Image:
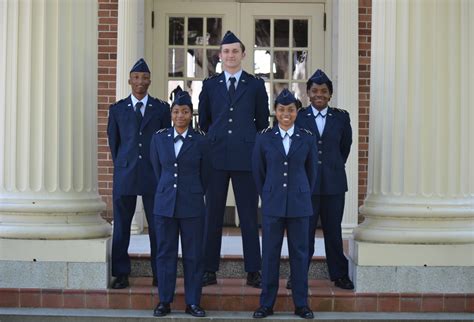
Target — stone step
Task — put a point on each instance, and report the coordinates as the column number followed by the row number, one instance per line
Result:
column 234, row 295
column 231, row 264
column 230, row 267
column 96, row 315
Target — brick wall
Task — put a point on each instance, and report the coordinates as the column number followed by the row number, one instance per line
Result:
column 108, row 10
column 365, row 15
column 107, row 58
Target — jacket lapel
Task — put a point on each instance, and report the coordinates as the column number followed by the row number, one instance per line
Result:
column 149, row 112
column 277, row 140
column 311, row 121
column 295, row 142
column 241, row 87
column 222, row 87
column 186, row 143
column 329, row 122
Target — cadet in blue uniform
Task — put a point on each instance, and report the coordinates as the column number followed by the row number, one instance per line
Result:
column 333, row 135
column 284, row 168
column 233, row 106
column 132, row 122
column 177, row 155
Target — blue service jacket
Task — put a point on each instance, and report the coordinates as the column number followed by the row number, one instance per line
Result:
column 333, row 145
column 231, row 126
column 284, row 182
column 181, row 180
column 130, row 145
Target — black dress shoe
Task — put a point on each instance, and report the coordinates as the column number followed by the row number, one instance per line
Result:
column 304, row 312
column 162, row 309
column 154, row 282
column 262, row 312
column 195, row 310
column 254, row 279
column 288, row 284
column 344, row 283
column 120, row 282
column 209, row 278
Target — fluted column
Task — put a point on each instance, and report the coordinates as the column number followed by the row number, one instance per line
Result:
column 48, row 130
column 130, row 47
column 419, row 210
column 346, row 81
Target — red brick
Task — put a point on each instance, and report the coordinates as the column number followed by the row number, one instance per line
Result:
column 142, row 301
column 30, row 297
column 410, row 304
column 388, row 303
column 366, row 303
column 9, row 297
column 231, row 302
column 97, row 300
column 470, row 303
column 344, row 304
column 75, row 299
column 432, row 303
column 119, row 299
column 52, row 298
column 322, row 304
column 455, row 303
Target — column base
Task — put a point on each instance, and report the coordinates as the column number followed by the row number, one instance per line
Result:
column 412, row 268
column 63, row 264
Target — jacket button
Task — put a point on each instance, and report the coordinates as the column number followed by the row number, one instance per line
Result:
column 320, row 142
column 230, row 120
column 175, row 164
column 175, row 175
column 175, row 185
column 320, row 152
column 285, row 163
column 285, row 174
column 284, row 185
column 230, row 131
column 231, row 109
column 320, row 162
column 140, row 133
column 139, row 156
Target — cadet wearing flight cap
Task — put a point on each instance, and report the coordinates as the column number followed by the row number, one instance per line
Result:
column 284, row 167
column 132, row 122
column 333, row 135
column 178, row 158
column 233, row 106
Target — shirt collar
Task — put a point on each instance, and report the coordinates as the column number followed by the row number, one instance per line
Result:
column 323, row 112
column 136, row 100
column 183, row 135
column 236, row 75
column 290, row 131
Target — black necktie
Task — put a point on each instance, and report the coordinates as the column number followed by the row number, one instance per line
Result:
column 232, row 87
column 178, row 137
column 319, row 114
column 138, row 112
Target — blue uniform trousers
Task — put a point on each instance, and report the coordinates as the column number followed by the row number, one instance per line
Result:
column 168, row 230
column 331, row 209
column 246, row 198
column 124, row 208
column 273, row 230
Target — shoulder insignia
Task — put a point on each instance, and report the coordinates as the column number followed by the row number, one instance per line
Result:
column 200, row 131
column 340, row 110
column 307, row 131
column 211, row 77
column 118, row 102
column 265, row 130
column 161, row 130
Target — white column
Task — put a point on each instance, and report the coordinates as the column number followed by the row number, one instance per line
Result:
column 346, row 80
column 418, row 233
column 130, row 47
column 48, row 144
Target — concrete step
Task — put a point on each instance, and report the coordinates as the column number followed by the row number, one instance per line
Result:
column 95, row 315
column 231, row 265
